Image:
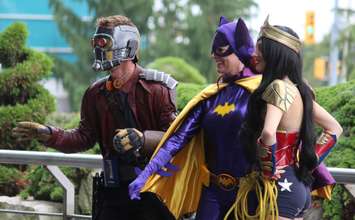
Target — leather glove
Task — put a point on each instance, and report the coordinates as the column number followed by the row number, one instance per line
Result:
column 128, row 139
column 26, row 130
column 160, row 160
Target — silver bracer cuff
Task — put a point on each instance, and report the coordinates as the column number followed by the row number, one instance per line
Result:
column 155, row 75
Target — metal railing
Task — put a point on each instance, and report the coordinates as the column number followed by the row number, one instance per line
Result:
column 51, row 160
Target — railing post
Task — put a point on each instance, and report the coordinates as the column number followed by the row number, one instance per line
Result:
column 69, row 195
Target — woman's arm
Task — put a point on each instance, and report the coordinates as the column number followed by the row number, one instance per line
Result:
column 326, row 120
column 188, row 128
column 331, row 131
column 272, row 121
column 267, row 142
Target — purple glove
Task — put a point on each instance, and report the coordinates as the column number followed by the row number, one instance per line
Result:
column 160, row 160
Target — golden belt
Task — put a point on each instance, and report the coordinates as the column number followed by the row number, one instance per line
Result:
column 225, row 181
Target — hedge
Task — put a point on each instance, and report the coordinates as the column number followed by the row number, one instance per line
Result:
column 21, row 97
column 179, row 69
column 340, row 102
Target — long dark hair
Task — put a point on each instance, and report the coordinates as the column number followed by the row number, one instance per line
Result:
column 281, row 61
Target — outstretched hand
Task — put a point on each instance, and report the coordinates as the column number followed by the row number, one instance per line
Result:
column 135, row 187
column 159, row 162
column 26, row 130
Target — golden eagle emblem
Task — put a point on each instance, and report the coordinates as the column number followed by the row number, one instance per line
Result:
column 222, row 110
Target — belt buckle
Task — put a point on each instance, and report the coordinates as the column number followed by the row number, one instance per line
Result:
column 226, row 182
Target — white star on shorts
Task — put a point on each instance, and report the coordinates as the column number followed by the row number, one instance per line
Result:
column 285, row 185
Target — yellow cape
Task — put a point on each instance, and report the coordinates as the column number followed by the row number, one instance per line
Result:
column 181, row 192
column 323, row 192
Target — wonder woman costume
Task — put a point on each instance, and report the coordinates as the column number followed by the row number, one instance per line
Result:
column 286, row 196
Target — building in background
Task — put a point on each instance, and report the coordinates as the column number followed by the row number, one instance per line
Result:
column 43, row 34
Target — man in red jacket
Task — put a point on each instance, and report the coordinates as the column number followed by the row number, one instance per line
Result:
column 125, row 112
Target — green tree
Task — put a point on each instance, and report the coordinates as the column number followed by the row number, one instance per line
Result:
column 347, row 39
column 186, row 30
column 310, row 53
column 202, row 25
column 22, row 98
column 166, row 24
column 346, row 45
column 77, row 76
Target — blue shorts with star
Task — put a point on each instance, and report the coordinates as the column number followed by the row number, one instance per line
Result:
column 294, row 197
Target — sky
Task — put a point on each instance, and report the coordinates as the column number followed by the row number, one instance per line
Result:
column 292, row 13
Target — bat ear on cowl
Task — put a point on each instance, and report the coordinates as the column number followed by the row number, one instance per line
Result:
column 241, row 35
column 222, row 20
column 243, row 41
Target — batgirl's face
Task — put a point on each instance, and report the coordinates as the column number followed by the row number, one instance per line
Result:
column 228, row 66
column 258, row 60
column 227, row 62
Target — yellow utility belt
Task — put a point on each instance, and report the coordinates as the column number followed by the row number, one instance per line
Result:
column 224, row 181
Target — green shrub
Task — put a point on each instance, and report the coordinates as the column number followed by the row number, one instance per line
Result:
column 185, row 92
column 340, row 102
column 43, row 185
column 179, row 69
column 36, row 109
column 341, row 207
column 22, row 98
column 9, row 178
column 12, row 44
column 63, row 120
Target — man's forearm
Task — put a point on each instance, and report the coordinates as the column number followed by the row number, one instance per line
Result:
column 70, row 141
column 151, row 141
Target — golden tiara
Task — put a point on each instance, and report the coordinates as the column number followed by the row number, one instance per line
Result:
column 280, row 36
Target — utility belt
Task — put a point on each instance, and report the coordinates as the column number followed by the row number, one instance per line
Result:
column 115, row 171
column 102, row 193
column 224, row 181
column 111, row 183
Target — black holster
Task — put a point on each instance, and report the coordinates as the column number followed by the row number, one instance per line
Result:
column 97, row 194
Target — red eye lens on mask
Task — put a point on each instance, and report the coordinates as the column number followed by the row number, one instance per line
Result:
column 101, row 42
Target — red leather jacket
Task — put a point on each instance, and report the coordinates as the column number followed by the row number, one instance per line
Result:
column 150, row 102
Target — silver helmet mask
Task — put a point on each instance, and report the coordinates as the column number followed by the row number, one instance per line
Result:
column 111, row 46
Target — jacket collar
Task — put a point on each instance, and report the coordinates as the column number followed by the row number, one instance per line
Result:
column 133, row 80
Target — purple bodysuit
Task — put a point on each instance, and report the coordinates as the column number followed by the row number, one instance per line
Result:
column 220, row 117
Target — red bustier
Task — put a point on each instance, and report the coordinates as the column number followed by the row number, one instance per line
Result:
column 286, row 149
